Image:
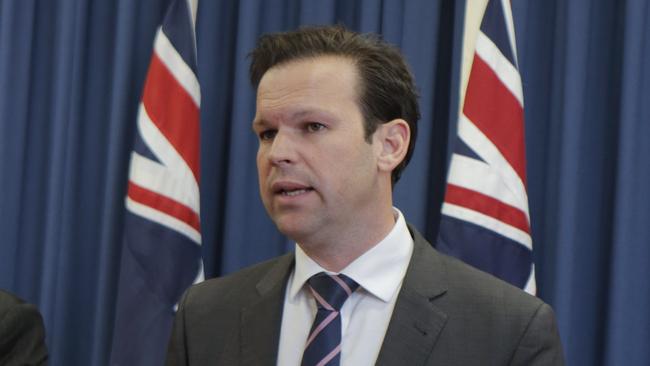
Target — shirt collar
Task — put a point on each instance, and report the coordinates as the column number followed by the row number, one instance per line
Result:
column 379, row 271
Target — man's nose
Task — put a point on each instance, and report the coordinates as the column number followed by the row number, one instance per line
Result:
column 282, row 149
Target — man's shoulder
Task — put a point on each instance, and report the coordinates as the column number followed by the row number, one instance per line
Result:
column 468, row 283
column 463, row 282
column 482, row 313
column 237, row 285
column 477, row 300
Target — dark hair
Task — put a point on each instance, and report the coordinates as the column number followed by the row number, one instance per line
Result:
column 387, row 90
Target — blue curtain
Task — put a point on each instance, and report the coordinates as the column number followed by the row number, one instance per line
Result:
column 70, row 79
column 587, row 93
column 71, row 73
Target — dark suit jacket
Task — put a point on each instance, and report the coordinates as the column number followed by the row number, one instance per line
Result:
column 446, row 313
column 22, row 335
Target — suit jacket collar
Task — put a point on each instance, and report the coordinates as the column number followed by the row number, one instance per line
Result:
column 416, row 322
column 261, row 319
column 413, row 329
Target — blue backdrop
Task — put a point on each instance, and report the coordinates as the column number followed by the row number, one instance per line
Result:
column 71, row 73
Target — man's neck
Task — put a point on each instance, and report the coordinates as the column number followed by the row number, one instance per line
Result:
column 336, row 253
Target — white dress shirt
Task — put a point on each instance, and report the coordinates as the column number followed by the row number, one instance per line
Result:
column 366, row 313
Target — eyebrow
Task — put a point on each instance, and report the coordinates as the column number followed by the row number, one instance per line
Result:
column 258, row 123
column 303, row 112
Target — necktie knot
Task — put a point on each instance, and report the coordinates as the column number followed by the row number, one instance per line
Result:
column 331, row 291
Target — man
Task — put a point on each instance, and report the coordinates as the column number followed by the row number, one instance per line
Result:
column 22, row 334
column 336, row 120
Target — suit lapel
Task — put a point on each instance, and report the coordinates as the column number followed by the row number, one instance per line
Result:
column 416, row 322
column 261, row 319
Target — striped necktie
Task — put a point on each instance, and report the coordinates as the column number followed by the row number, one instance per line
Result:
column 324, row 342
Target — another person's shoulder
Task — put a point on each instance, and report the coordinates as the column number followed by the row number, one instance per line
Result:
column 22, row 334
column 8, row 300
column 15, row 310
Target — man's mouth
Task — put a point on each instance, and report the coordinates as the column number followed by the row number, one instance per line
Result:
column 295, row 192
column 290, row 188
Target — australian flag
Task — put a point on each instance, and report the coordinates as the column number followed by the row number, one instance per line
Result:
column 161, row 255
column 485, row 220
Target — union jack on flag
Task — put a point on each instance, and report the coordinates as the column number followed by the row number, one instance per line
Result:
column 485, row 220
column 161, row 255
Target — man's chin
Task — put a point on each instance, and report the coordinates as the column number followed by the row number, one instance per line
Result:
column 294, row 228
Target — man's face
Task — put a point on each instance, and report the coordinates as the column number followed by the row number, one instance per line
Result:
column 318, row 176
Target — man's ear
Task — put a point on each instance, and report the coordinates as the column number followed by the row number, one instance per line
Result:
column 392, row 139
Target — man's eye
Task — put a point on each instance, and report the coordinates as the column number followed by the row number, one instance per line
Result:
column 315, row 126
column 267, row 134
